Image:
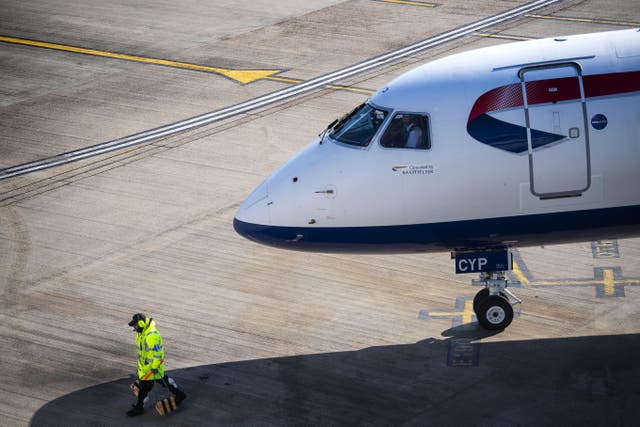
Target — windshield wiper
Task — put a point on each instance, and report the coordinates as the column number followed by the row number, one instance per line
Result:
column 338, row 122
column 324, row 132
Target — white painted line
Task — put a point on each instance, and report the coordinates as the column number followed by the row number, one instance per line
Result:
column 265, row 100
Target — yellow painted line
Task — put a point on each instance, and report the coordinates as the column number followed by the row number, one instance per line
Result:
column 336, row 87
column 283, row 80
column 351, row 89
column 242, row 76
column 444, row 313
column 503, row 36
column 410, row 3
column 467, row 314
column 568, row 282
column 609, row 282
column 606, row 281
column 441, row 313
column 587, row 20
column 518, row 273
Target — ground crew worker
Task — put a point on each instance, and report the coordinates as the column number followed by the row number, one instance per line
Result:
column 150, row 362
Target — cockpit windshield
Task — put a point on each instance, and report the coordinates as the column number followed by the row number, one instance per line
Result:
column 359, row 126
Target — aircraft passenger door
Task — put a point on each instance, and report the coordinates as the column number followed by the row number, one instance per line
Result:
column 557, row 131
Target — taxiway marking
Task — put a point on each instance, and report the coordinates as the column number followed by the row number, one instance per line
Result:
column 518, row 273
column 241, row 76
column 336, row 87
column 608, row 281
column 605, row 249
column 271, row 98
column 351, row 89
column 410, row 3
column 503, row 36
column 462, row 351
column 586, row 20
column 463, row 316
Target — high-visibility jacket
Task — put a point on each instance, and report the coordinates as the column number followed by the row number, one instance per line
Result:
column 150, row 352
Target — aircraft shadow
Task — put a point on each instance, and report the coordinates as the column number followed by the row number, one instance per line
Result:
column 570, row 381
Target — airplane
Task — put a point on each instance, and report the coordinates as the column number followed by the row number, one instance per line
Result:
column 521, row 144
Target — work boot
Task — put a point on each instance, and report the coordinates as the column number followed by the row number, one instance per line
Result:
column 180, row 396
column 137, row 410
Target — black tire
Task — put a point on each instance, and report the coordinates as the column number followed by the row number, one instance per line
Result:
column 482, row 295
column 495, row 313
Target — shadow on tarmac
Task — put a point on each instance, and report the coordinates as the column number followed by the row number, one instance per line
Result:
column 569, row 381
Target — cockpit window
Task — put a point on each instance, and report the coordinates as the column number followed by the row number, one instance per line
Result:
column 359, row 126
column 407, row 130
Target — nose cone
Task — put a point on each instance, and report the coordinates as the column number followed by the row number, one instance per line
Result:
column 255, row 209
column 264, row 217
column 253, row 214
column 279, row 212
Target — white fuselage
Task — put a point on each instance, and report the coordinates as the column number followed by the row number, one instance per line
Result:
column 523, row 133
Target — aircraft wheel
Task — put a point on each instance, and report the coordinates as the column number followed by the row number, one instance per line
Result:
column 482, row 295
column 495, row 313
column 479, row 298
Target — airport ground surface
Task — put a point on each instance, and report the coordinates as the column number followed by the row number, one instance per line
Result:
column 258, row 336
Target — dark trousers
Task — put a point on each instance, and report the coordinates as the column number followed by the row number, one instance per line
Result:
column 146, row 386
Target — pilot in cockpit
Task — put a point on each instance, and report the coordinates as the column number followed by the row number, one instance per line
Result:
column 411, row 131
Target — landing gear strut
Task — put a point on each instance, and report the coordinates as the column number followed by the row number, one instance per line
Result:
column 492, row 305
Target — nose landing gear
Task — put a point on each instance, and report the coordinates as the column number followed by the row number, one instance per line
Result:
column 493, row 304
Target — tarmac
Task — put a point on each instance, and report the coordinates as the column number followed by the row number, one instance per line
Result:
column 258, row 336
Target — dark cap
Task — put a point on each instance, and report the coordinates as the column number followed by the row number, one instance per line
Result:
column 136, row 318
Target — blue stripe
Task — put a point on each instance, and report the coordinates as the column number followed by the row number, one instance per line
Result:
column 528, row 230
column 507, row 136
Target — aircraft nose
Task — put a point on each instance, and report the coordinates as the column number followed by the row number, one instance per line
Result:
column 255, row 209
column 253, row 213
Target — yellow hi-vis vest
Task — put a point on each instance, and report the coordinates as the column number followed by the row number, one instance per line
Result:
column 150, row 352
